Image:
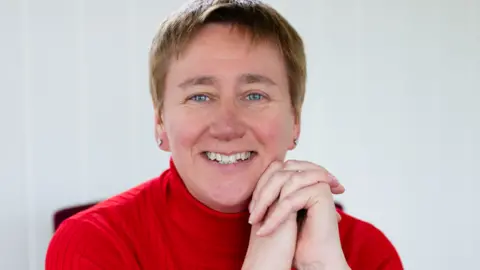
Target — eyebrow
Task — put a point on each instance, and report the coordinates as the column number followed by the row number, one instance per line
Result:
column 247, row 78
column 200, row 80
column 255, row 78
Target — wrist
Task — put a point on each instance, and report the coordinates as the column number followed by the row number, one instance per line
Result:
column 329, row 257
column 338, row 264
column 322, row 266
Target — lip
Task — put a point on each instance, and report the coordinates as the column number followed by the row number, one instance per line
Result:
column 228, row 153
column 230, row 168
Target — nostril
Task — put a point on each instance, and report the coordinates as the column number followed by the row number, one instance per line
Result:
column 227, row 131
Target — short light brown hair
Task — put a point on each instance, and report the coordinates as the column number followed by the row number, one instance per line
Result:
column 260, row 20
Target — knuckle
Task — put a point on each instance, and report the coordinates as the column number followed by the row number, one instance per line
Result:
column 322, row 185
column 288, row 188
column 323, row 191
column 289, row 163
column 274, row 185
column 321, row 176
column 295, row 178
column 288, row 204
column 288, row 185
column 292, row 178
column 279, row 176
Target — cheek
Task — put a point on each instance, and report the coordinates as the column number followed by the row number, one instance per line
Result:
column 276, row 131
column 183, row 128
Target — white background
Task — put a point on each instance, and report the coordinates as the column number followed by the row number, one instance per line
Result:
column 392, row 109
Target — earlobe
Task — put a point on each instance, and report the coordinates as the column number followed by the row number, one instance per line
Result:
column 161, row 137
column 293, row 145
column 162, row 140
column 296, row 134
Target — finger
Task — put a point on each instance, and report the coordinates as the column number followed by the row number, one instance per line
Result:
column 293, row 164
column 301, row 179
column 338, row 190
column 267, row 174
column 305, row 165
column 303, row 198
column 299, row 165
column 282, row 183
column 268, row 194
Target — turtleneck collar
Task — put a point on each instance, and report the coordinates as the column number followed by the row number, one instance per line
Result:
column 213, row 234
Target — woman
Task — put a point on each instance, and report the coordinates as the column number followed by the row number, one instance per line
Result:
column 228, row 83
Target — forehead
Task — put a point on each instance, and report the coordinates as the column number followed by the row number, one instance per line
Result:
column 222, row 46
column 227, row 36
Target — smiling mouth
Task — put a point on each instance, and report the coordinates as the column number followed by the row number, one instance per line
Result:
column 230, row 159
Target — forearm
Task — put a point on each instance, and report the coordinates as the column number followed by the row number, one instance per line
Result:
column 322, row 266
column 274, row 251
column 260, row 258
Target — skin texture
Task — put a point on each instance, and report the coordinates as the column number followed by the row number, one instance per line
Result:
column 284, row 189
column 225, row 94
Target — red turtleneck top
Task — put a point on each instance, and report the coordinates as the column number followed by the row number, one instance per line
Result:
column 159, row 225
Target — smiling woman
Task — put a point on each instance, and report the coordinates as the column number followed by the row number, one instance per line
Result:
column 228, row 83
column 226, row 95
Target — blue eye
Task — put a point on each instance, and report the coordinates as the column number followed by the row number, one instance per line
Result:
column 254, row 96
column 199, row 98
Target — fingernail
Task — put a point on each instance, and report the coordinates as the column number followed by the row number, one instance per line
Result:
column 335, row 181
column 251, row 219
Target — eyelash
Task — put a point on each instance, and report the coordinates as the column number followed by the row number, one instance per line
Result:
column 195, row 97
column 256, row 94
column 192, row 98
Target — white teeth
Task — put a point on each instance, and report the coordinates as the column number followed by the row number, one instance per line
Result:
column 211, row 155
column 224, row 159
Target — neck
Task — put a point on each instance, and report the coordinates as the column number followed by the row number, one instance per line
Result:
column 226, row 229
column 227, row 208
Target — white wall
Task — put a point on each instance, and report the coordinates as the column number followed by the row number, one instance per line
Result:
column 392, row 109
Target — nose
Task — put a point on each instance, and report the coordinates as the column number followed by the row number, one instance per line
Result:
column 226, row 124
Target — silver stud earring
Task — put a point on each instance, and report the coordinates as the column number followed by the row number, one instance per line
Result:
column 295, row 141
column 159, row 142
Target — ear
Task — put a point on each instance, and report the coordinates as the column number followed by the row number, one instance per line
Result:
column 295, row 132
column 161, row 135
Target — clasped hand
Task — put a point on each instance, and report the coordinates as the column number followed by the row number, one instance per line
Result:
column 277, row 241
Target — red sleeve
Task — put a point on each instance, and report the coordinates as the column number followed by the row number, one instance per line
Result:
column 391, row 260
column 391, row 263
column 86, row 245
column 376, row 252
